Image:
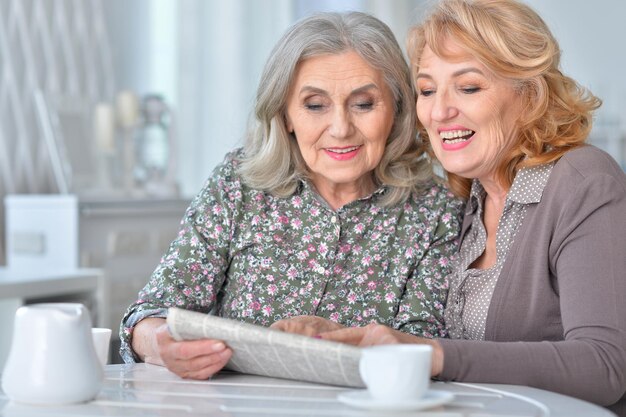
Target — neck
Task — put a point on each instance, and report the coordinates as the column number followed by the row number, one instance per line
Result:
column 495, row 190
column 338, row 195
column 494, row 202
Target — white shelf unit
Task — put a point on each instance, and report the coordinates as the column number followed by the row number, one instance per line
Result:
column 125, row 238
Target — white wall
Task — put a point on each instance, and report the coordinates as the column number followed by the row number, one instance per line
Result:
column 205, row 56
column 206, row 59
column 591, row 36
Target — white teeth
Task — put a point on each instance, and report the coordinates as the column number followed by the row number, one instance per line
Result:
column 455, row 140
column 449, row 135
column 345, row 150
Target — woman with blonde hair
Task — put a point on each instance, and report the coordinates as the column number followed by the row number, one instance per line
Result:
column 537, row 293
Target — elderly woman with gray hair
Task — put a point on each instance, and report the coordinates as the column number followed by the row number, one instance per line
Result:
column 329, row 212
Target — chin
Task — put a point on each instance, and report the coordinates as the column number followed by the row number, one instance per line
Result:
column 460, row 166
column 458, row 171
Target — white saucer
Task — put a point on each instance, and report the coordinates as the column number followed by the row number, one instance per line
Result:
column 362, row 399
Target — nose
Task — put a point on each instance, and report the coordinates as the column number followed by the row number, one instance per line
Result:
column 341, row 124
column 443, row 108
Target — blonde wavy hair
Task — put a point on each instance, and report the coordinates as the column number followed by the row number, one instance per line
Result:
column 513, row 42
column 272, row 160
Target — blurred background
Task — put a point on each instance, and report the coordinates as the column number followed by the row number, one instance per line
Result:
column 113, row 113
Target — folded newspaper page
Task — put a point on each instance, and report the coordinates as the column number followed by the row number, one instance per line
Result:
column 260, row 350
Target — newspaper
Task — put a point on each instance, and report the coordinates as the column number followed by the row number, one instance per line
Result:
column 263, row 351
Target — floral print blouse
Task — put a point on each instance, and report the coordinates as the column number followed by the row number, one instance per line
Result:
column 244, row 254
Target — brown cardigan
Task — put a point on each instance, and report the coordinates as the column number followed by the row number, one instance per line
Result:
column 557, row 319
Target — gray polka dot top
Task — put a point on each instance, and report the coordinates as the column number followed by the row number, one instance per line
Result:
column 471, row 289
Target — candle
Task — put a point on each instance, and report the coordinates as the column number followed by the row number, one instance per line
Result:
column 127, row 107
column 104, row 127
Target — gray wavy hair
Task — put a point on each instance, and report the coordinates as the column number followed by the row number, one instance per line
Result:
column 272, row 159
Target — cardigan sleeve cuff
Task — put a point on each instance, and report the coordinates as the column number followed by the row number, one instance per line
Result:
column 451, row 359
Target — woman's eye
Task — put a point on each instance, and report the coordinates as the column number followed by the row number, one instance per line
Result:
column 470, row 90
column 426, row 92
column 366, row 105
column 314, row 106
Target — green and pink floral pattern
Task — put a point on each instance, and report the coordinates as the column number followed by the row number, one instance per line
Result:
column 247, row 255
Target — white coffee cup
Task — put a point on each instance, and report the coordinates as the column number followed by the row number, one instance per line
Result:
column 395, row 373
column 101, row 338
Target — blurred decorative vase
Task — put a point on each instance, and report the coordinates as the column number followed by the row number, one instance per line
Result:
column 52, row 360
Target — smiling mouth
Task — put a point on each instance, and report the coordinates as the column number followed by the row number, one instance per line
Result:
column 456, row 136
column 343, row 150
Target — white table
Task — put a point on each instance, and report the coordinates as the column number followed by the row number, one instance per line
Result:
column 18, row 287
column 147, row 390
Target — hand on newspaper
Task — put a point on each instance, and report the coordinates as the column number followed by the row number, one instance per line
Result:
column 377, row 334
column 195, row 359
column 306, row 325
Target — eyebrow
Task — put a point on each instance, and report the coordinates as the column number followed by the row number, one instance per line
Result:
column 311, row 89
column 456, row 73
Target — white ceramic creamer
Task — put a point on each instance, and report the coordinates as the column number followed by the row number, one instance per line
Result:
column 52, row 358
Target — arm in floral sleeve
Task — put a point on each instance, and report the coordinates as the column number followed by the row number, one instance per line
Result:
column 422, row 304
column 192, row 272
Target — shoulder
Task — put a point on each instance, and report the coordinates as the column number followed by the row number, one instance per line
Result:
column 585, row 162
column 437, row 205
column 228, row 168
column 225, row 183
column 583, row 180
column 226, row 175
column 435, row 197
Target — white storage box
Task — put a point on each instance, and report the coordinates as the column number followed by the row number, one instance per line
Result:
column 42, row 232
